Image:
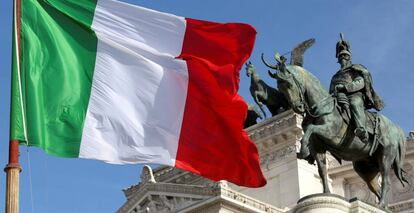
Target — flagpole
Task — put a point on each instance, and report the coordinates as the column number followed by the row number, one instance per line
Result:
column 13, row 170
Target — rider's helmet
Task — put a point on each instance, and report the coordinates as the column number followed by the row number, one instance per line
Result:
column 342, row 47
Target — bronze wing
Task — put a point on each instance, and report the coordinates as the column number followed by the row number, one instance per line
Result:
column 298, row 52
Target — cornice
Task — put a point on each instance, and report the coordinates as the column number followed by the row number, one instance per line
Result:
column 181, row 190
column 286, row 123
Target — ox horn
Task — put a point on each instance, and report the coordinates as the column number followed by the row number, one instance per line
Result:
column 273, row 75
column 275, row 67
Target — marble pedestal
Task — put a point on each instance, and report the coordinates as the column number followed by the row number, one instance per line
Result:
column 332, row 203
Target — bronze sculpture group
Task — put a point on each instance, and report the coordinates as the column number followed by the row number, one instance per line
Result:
column 343, row 120
column 264, row 94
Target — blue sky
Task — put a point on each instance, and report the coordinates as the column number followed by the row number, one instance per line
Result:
column 380, row 34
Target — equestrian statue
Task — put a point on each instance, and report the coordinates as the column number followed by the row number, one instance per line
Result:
column 342, row 121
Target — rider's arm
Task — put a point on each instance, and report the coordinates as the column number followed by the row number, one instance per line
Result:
column 356, row 85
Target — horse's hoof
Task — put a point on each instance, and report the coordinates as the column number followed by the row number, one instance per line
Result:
column 303, row 155
column 383, row 206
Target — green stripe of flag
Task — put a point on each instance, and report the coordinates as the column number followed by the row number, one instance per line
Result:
column 58, row 51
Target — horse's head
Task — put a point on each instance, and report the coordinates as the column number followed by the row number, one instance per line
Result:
column 289, row 82
column 250, row 69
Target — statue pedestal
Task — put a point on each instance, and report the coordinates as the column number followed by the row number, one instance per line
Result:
column 333, row 203
column 288, row 178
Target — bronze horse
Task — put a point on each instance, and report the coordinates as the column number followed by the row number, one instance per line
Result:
column 326, row 130
column 264, row 94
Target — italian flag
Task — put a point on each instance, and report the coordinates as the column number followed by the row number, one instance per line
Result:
column 115, row 82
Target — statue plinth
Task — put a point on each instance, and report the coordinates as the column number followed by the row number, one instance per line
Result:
column 334, row 204
column 288, row 178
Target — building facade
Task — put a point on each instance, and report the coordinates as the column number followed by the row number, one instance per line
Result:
column 167, row 189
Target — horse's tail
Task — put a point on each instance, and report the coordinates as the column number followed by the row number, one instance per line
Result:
column 399, row 160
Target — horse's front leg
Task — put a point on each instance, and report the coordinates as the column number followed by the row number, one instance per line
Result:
column 308, row 144
column 304, row 142
column 258, row 102
column 320, row 157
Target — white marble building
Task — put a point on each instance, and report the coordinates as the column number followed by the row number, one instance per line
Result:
column 168, row 189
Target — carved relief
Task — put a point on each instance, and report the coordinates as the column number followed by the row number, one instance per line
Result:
column 275, row 125
column 163, row 204
column 239, row 197
column 267, row 159
column 402, row 207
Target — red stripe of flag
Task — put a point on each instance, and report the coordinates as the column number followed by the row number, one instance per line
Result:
column 212, row 140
